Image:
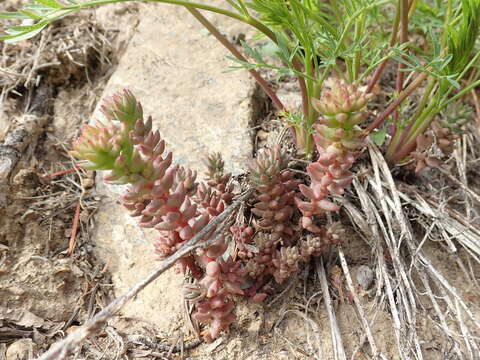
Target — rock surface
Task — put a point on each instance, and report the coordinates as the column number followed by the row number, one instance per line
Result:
column 22, row 349
column 177, row 70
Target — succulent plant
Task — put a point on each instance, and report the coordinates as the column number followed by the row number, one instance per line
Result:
column 422, row 154
column 243, row 237
column 127, row 146
column 286, row 263
column 449, row 127
column 315, row 245
column 222, row 281
column 338, row 139
column 341, row 109
column 216, row 177
column 160, row 194
column 275, row 186
column 168, row 198
column 209, row 200
column 188, row 178
column 443, row 132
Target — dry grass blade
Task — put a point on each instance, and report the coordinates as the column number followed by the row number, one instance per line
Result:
column 383, row 276
column 338, row 349
column 387, row 223
column 392, row 209
column 358, row 305
column 443, row 322
column 447, row 220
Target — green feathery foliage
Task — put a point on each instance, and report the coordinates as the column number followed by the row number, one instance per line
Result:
column 462, row 37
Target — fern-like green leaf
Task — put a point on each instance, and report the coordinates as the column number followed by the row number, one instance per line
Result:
column 50, row 3
column 14, row 36
column 13, row 15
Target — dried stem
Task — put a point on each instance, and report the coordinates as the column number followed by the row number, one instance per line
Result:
column 403, row 39
column 403, row 95
column 379, row 71
column 358, row 304
column 335, row 330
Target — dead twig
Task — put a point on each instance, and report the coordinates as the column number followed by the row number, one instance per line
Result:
column 73, row 236
column 477, row 107
column 61, row 349
column 338, row 349
column 62, row 172
column 358, row 304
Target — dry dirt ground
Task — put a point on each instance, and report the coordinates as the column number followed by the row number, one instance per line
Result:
column 422, row 296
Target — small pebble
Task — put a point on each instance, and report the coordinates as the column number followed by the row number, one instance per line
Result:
column 364, row 276
column 262, row 134
column 20, row 350
column 87, row 183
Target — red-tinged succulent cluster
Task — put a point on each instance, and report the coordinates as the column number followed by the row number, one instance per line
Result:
column 188, row 178
column 315, row 245
column 222, row 281
column 168, row 198
column 422, row 154
column 445, row 136
column 275, row 249
column 209, row 199
column 157, row 194
column 264, row 256
column 216, row 177
column 275, row 188
column 443, row 133
column 338, row 139
column 243, row 236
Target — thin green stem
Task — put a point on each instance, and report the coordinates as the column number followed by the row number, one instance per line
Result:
column 400, row 136
column 244, row 7
column 426, row 119
column 422, row 123
column 185, row 3
column 309, row 70
column 303, row 88
column 400, row 73
column 331, row 29
column 448, row 16
column 188, row 4
column 462, row 74
column 412, row 7
column 359, row 28
column 459, row 95
column 319, row 84
column 410, row 144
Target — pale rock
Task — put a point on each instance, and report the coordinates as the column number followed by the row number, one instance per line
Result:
column 22, row 349
column 3, row 350
column 178, row 73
